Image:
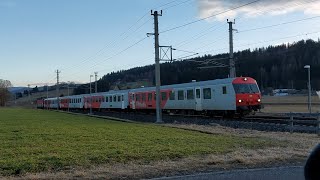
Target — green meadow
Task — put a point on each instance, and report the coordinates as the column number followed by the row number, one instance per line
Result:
column 39, row 140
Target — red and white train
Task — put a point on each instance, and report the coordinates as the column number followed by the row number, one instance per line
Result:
column 229, row 96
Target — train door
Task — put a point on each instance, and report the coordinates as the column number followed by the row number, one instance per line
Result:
column 122, row 101
column 133, row 101
column 198, row 99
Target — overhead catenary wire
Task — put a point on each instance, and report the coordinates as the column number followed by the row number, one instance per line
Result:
column 99, row 52
column 111, row 45
column 260, row 42
column 169, row 3
column 122, row 34
column 260, row 12
column 208, row 17
column 186, row 1
column 120, row 52
column 279, row 24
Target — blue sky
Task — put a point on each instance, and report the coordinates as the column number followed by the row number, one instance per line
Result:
column 80, row 37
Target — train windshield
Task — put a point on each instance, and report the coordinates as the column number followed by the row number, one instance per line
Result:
column 246, row 88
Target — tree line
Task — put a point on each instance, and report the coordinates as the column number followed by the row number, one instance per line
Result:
column 274, row 67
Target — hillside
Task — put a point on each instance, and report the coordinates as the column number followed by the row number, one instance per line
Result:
column 273, row 67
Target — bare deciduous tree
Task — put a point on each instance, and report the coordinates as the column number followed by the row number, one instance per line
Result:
column 4, row 91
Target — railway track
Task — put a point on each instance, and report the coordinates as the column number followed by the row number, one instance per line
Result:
column 261, row 123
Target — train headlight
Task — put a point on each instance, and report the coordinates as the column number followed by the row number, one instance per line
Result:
column 259, row 100
column 240, row 101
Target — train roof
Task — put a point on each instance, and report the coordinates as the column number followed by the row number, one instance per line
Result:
column 199, row 83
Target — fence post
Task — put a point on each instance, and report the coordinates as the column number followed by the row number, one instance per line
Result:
column 291, row 122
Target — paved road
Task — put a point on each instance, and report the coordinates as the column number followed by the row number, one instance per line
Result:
column 279, row 173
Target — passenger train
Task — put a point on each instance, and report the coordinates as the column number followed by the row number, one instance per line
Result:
column 229, row 96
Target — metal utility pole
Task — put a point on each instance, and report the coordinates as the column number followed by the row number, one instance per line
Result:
column 309, row 87
column 47, row 104
column 96, row 83
column 68, row 95
column 58, row 103
column 29, row 93
column 157, row 65
column 232, row 67
column 90, row 96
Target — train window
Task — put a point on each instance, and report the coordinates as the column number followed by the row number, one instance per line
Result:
column 171, row 95
column 143, row 97
column 137, row 97
column 107, row 99
column 224, row 90
column 110, row 98
column 114, row 98
column 149, row 96
column 133, row 97
column 190, row 94
column 122, row 99
column 246, row 88
column 207, row 93
column 119, row 98
column 155, row 96
column 198, row 94
column 180, row 95
column 163, row 95
column 254, row 88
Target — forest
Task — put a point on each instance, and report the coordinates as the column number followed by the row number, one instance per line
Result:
column 273, row 67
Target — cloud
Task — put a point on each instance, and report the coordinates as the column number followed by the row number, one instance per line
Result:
column 263, row 7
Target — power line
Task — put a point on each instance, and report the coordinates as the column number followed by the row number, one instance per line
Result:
column 187, row 42
column 202, row 19
column 122, row 34
column 177, row 4
column 112, row 44
column 120, row 52
column 198, row 36
column 279, row 24
column 260, row 42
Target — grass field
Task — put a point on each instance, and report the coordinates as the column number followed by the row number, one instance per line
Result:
column 289, row 99
column 40, row 141
column 286, row 104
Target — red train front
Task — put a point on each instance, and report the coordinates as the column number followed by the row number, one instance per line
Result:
column 248, row 96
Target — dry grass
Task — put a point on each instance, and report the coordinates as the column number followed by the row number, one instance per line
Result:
column 295, row 148
column 286, row 104
column 289, row 99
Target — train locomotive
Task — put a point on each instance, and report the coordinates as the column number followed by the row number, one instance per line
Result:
column 230, row 96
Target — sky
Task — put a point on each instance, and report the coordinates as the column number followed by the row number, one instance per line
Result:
column 80, row 37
